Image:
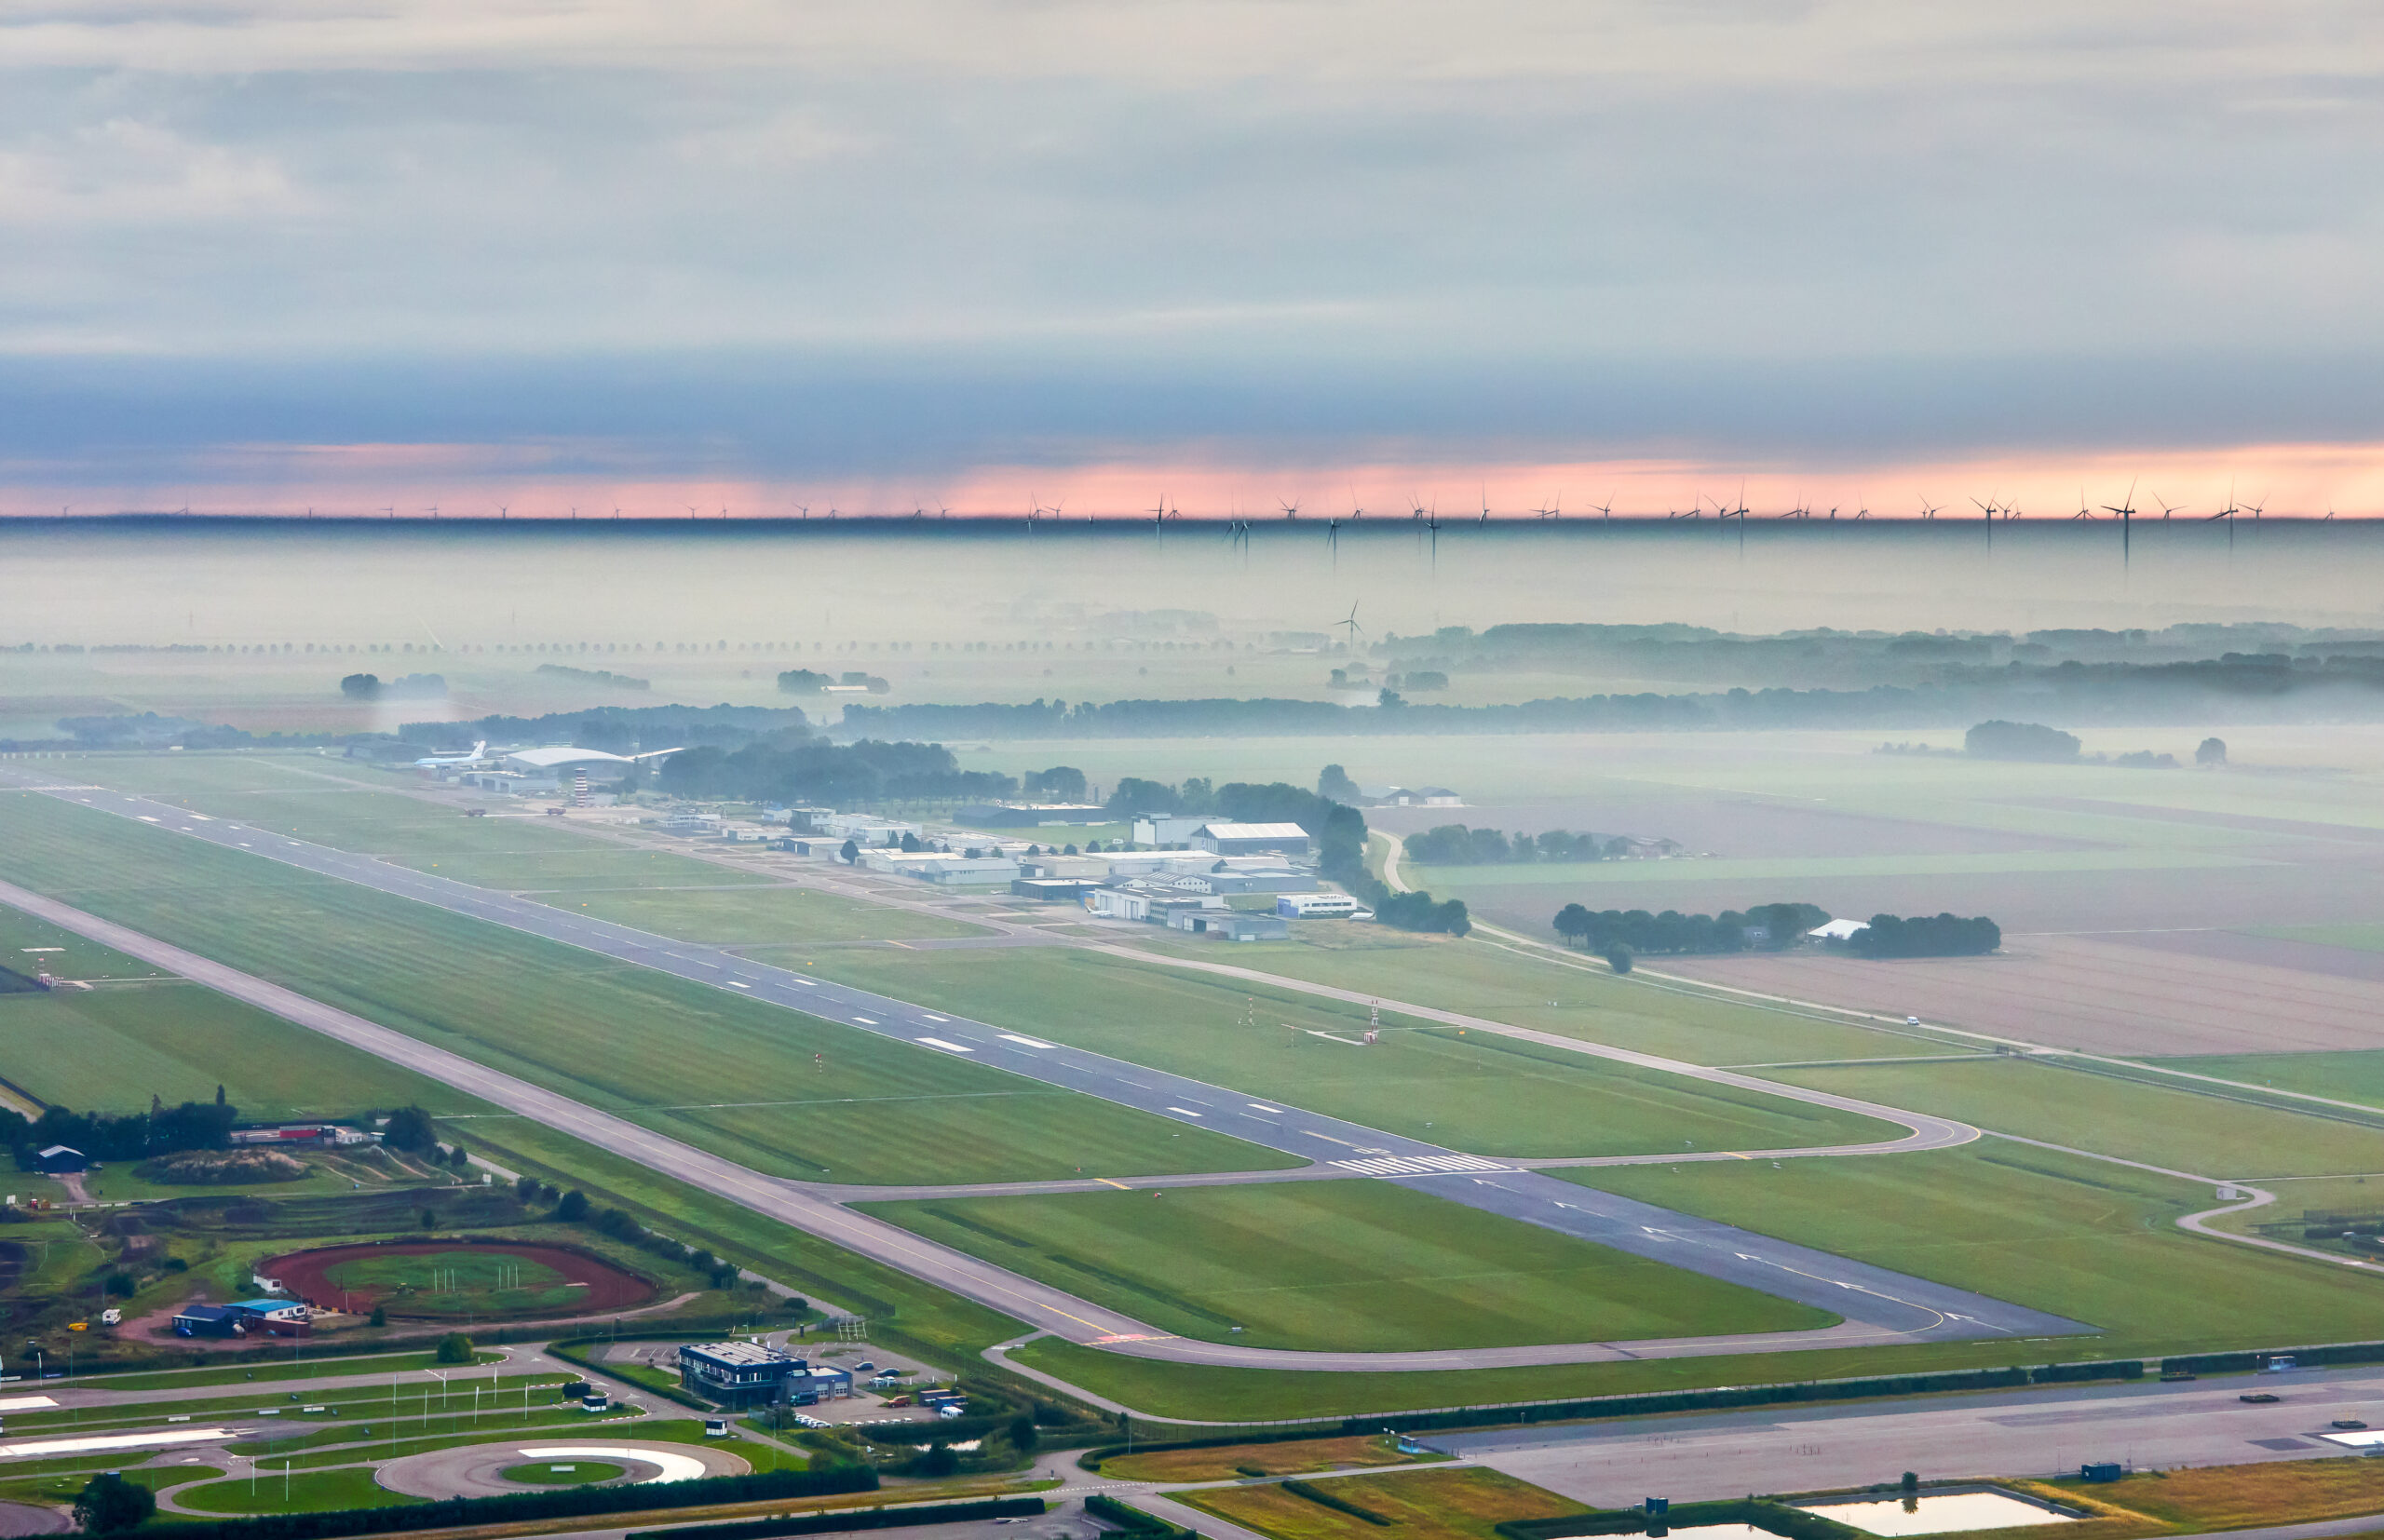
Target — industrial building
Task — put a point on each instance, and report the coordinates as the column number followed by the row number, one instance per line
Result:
column 63, row 1160
column 749, row 1373
column 205, row 1320
column 1166, row 829
column 1251, row 839
column 1234, row 924
column 997, row 815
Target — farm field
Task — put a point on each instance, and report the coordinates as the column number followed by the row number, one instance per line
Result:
column 806, row 1098
column 2195, row 1499
column 758, row 916
column 1424, row 1505
column 180, row 1041
column 1490, row 1095
column 1353, row 1266
column 2166, row 1124
column 1583, row 999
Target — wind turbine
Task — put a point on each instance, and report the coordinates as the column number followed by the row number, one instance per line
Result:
column 433, row 511
column 1333, row 541
column 2228, row 513
column 803, row 511
column 2127, row 513
column 392, row 512
column 2085, row 510
column 1930, row 510
column 2166, row 511
column 1354, row 628
column 503, row 513
column 1606, row 509
column 691, row 509
column 1291, row 510
column 1159, row 513
column 1486, row 505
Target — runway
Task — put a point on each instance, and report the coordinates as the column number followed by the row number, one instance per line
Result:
column 2044, row 1431
column 1876, row 1304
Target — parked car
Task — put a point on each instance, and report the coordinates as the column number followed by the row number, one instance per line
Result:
column 2260, row 1397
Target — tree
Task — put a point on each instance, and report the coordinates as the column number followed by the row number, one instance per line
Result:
column 850, row 853
column 1617, row 957
column 574, row 1207
column 380, row 1317
column 361, row 687
column 526, row 1189
column 1134, row 797
column 939, row 1460
column 910, row 844
column 1334, row 784
column 408, row 1128
column 219, row 1089
column 108, row 1504
column 429, row 1219
column 454, row 1348
column 2213, row 751
column 1059, row 783
column 1572, row 924
column 1022, row 1436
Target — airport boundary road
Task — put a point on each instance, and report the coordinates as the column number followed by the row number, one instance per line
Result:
column 1876, row 1304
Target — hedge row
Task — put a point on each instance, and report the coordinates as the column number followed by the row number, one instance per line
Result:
column 867, row 1519
column 569, row 1503
column 1133, row 1520
column 2245, row 1363
column 1773, row 1517
column 1317, row 1495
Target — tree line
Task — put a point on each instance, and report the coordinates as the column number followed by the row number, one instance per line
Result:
column 129, row 1136
column 1926, row 936
column 1764, row 925
column 817, row 771
column 1455, row 844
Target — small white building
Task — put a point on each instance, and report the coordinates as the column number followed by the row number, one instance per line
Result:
column 1315, row 906
column 1837, row 932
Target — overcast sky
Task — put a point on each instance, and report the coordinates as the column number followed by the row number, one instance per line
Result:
column 257, row 251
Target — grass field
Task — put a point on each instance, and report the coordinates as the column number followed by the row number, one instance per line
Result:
column 269, row 1491
column 1354, row 1266
column 2357, row 938
column 458, row 1282
column 2356, row 1076
column 1484, row 978
column 1422, row 1505
column 2164, row 1124
column 1293, row 1458
column 180, row 1041
column 28, row 946
column 1476, row 1092
column 2191, row 1500
column 1773, row 871
column 756, row 916
column 569, row 1473
column 786, row 1093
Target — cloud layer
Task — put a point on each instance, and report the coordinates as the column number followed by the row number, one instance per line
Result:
column 843, row 238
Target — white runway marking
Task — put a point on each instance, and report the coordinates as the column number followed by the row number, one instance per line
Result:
column 676, row 1468
column 865, row 1021
column 1185, row 1111
column 933, row 1016
column 115, row 1440
column 948, row 1047
column 1013, row 1037
column 1262, row 1106
column 26, row 1403
column 733, row 984
column 1419, row 1165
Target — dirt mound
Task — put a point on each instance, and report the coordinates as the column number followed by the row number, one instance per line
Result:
column 402, row 1279
column 199, row 1168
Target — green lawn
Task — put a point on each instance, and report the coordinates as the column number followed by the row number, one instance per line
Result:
column 304, row 1492
column 28, row 946
column 755, row 917
column 1358, row 1267
column 2163, row 1123
column 180, row 1041
column 2081, row 1237
column 1474, row 1091
column 2350, row 1076
column 462, row 1282
column 566, row 1473
column 1482, row 977
column 784, row 1092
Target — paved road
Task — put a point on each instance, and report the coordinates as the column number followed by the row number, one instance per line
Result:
column 1878, row 1304
column 2043, row 1431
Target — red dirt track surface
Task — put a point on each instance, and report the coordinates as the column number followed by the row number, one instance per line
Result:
column 305, row 1274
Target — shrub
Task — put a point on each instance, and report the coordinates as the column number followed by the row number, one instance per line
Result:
column 454, row 1348
column 108, row 1504
column 574, row 1207
column 2019, row 740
